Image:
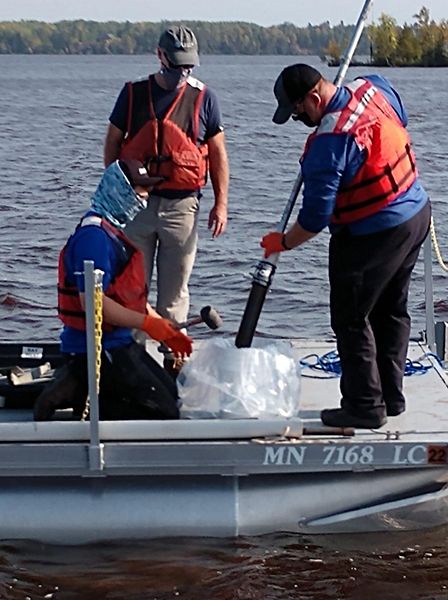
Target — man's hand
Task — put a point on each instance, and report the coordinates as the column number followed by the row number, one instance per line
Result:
column 219, row 175
column 180, row 344
column 163, row 330
column 273, row 243
column 217, row 220
column 158, row 328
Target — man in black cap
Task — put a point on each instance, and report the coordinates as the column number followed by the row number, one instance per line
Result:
column 172, row 122
column 132, row 385
column 360, row 179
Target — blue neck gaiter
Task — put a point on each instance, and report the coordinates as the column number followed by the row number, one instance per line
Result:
column 115, row 198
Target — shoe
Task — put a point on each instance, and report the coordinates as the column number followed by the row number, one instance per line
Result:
column 393, row 410
column 339, row 417
column 62, row 392
column 173, row 366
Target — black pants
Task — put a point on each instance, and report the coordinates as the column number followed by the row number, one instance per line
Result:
column 369, row 283
column 132, row 385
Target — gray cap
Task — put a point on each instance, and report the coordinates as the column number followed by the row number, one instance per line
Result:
column 180, row 46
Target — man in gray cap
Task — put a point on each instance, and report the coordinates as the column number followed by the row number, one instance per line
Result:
column 361, row 180
column 172, row 122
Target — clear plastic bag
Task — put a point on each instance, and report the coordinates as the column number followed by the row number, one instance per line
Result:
column 226, row 382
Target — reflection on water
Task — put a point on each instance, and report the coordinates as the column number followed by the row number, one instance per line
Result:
column 370, row 567
column 54, row 126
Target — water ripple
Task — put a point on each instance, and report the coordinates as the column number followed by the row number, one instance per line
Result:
column 58, row 108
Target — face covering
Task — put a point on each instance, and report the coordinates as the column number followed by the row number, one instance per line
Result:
column 304, row 118
column 115, row 198
column 174, row 77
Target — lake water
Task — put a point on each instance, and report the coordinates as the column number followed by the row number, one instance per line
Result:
column 53, row 116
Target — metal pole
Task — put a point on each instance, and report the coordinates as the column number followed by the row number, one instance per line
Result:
column 429, row 296
column 92, row 279
column 265, row 269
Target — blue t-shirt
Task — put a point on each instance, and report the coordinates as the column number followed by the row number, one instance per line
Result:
column 91, row 242
column 210, row 117
column 334, row 159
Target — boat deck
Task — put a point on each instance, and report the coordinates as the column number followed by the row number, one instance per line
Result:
column 426, row 417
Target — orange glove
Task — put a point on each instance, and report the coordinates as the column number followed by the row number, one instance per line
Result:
column 180, row 344
column 273, row 243
column 162, row 330
column 158, row 329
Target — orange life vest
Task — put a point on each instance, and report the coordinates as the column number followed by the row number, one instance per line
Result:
column 389, row 169
column 169, row 146
column 128, row 287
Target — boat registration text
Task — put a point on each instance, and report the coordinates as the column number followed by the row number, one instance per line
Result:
column 356, row 455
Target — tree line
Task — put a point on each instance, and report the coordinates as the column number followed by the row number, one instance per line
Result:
column 91, row 37
column 423, row 42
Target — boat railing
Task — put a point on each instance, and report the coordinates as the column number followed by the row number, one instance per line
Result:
column 429, row 295
column 436, row 333
column 93, row 279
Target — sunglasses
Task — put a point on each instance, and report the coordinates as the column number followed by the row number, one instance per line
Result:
column 173, row 66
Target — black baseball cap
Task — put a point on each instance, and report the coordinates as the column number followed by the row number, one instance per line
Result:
column 293, row 84
column 180, row 46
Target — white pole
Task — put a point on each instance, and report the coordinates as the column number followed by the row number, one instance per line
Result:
column 92, row 279
column 351, row 48
column 264, row 270
column 429, row 296
column 353, row 43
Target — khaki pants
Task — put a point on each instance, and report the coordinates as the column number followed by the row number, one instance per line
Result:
column 166, row 232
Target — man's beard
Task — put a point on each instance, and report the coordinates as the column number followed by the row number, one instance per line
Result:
column 304, row 118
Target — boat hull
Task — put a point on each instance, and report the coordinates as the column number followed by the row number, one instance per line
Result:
column 75, row 482
column 74, row 510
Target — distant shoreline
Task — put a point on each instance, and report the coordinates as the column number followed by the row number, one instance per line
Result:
column 373, row 63
column 422, row 44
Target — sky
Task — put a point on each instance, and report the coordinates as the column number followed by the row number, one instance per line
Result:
column 263, row 12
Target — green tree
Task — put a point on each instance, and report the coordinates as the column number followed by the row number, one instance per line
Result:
column 333, row 51
column 424, row 42
column 384, row 38
column 408, row 49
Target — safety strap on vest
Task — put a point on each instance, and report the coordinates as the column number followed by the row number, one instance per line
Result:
column 389, row 172
column 400, row 173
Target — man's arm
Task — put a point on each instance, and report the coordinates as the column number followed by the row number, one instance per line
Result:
column 297, row 235
column 112, row 144
column 153, row 324
column 219, row 175
column 118, row 315
column 276, row 241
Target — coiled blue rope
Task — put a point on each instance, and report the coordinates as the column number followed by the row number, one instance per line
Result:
column 416, row 367
column 330, row 364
